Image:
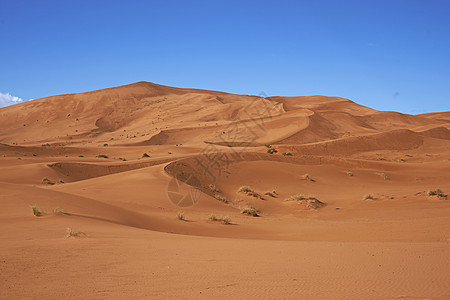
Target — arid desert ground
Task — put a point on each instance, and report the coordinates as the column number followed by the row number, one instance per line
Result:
column 148, row 191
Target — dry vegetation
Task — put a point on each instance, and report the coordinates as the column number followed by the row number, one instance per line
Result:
column 223, row 219
column 311, row 202
column 250, row 192
column 249, row 210
column 181, row 216
column 74, row 234
column 437, row 192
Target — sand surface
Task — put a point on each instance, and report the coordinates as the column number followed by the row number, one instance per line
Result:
column 364, row 227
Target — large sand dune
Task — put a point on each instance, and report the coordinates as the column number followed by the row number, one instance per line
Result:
column 364, row 227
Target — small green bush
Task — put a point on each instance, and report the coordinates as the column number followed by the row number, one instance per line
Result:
column 58, row 210
column 102, row 156
column 272, row 150
column 145, row 155
column 36, row 211
column 287, row 154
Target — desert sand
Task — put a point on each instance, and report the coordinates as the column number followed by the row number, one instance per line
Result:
column 113, row 172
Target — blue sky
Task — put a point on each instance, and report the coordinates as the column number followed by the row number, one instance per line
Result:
column 389, row 55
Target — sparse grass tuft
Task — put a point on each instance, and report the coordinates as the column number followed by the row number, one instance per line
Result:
column 245, row 189
column 221, row 198
column 70, row 233
column 311, row 202
column 249, row 210
column 59, row 210
column 272, row 194
column 349, row 173
column 250, row 192
column 36, row 211
column 369, row 197
column 298, row 197
column 213, row 188
column 437, row 192
column 307, row 177
column 102, row 156
column 225, row 220
column 47, row 181
column 212, row 217
column 385, row 176
column 181, row 216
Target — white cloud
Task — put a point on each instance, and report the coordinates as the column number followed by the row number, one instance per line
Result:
column 7, row 99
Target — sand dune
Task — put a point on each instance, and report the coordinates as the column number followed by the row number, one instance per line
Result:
column 319, row 192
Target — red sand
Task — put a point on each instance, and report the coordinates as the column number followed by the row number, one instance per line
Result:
column 396, row 245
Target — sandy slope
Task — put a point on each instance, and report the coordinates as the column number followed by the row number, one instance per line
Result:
column 396, row 245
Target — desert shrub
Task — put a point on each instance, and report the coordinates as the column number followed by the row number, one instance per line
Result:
column 47, row 181
column 310, row 201
column 102, row 156
column 221, row 198
column 349, row 173
column 272, row 194
column 307, row 177
column 437, row 192
column 369, row 197
column 145, row 155
column 212, row 217
column 181, row 216
column 36, row 211
column 213, row 188
column 105, row 145
column 245, row 189
column 287, row 154
column 298, row 197
column 249, row 210
column 58, row 210
column 70, row 233
column 80, row 155
column 226, row 220
column 385, row 177
column 267, row 145
column 272, row 150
